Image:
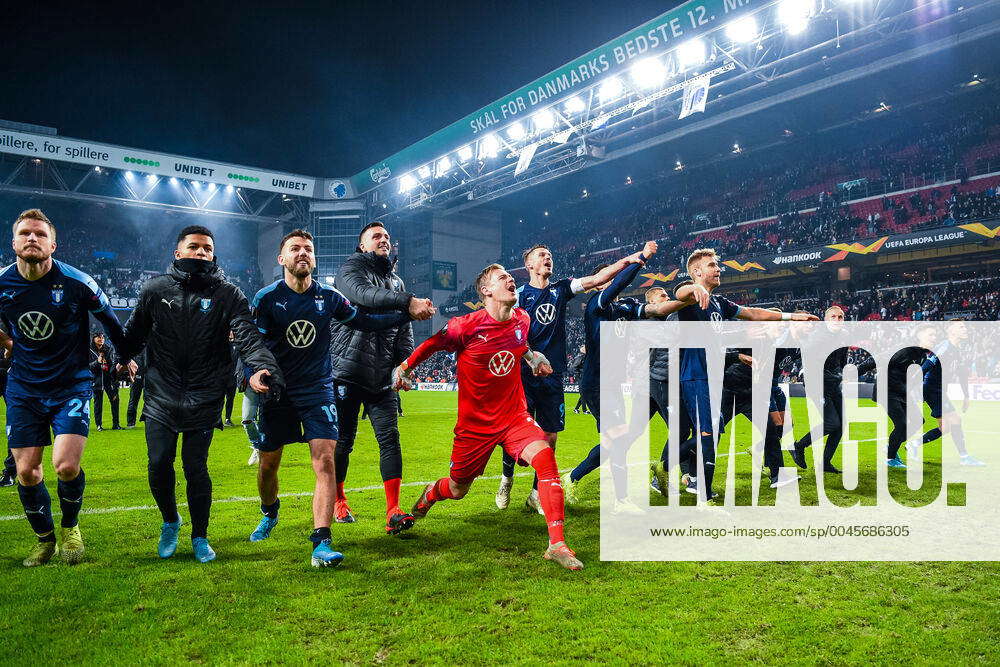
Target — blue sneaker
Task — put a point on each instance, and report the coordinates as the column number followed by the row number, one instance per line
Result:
column 168, row 538
column 896, row 463
column 263, row 529
column 324, row 556
column 202, row 552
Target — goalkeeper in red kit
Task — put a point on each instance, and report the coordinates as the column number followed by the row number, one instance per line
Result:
column 492, row 410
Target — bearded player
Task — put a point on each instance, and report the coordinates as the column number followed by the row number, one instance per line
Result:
column 294, row 316
column 492, row 410
column 546, row 303
column 45, row 306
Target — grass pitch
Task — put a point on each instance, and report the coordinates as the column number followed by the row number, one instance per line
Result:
column 467, row 585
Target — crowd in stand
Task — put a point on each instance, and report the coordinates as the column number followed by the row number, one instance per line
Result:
column 121, row 247
column 921, row 146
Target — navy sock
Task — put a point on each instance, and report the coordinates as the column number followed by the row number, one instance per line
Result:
column 318, row 535
column 932, row 435
column 588, row 465
column 71, row 499
column 508, row 465
column 38, row 508
column 271, row 511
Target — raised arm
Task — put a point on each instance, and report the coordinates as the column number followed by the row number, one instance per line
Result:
column 355, row 285
column 626, row 276
column 662, row 309
column 765, row 315
column 447, row 339
column 347, row 313
column 609, row 272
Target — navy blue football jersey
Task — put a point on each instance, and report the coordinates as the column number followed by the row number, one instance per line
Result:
column 297, row 329
column 693, row 364
column 602, row 307
column 547, row 308
column 49, row 322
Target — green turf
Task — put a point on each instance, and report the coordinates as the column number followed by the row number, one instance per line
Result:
column 467, row 585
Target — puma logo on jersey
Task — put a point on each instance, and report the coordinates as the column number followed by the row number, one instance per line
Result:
column 282, row 304
column 170, row 304
column 481, row 336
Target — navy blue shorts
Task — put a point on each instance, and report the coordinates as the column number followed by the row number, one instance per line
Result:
column 31, row 422
column 546, row 402
column 281, row 423
column 778, row 402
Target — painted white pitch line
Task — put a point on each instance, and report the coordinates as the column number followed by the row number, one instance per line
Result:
column 241, row 499
column 307, row 494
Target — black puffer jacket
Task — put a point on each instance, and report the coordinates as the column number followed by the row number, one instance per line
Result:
column 362, row 358
column 183, row 318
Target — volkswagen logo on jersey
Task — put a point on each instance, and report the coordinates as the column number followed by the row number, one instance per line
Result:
column 205, row 305
column 501, row 363
column 301, row 333
column 35, row 325
column 57, row 295
column 546, row 313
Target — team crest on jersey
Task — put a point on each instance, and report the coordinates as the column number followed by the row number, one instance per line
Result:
column 58, row 294
column 206, row 304
column 517, row 334
column 341, row 391
column 319, row 304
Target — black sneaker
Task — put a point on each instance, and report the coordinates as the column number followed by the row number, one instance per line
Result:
column 398, row 521
column 7, row 478
column 829, row 467
column 100, row 428
column 799, row 456
column 116, row 428
column 229, row 422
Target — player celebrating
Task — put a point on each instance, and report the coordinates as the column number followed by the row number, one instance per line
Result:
column 45, row 306
column 294, row 316
column 491, row 406
column 546, row 302
column 703, row 306
column 604, row 307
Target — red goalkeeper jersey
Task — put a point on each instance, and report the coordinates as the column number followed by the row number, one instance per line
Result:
column 490, row 394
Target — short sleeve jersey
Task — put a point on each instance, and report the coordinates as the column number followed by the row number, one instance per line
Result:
column 49, row 322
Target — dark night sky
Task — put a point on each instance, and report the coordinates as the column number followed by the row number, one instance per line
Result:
column 324, row 89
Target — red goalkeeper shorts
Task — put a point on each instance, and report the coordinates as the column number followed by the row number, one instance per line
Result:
column 471, row 452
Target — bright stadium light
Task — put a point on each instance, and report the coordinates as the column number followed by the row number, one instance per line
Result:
column 742, row 30
column 516, row 131
column 150, row 177
column 424, row 172
column 97, row 169
column 611, row 89
column 129, row 175
column 649, row 73
column 464, row 154
column 574, row 105
column 173, row 180
column 443, row 166
column 691, row 53
column 794, row 14
column 489, row 146
column 211, row 187
column 543, row 120
column 406, row 183
column 229, row 188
